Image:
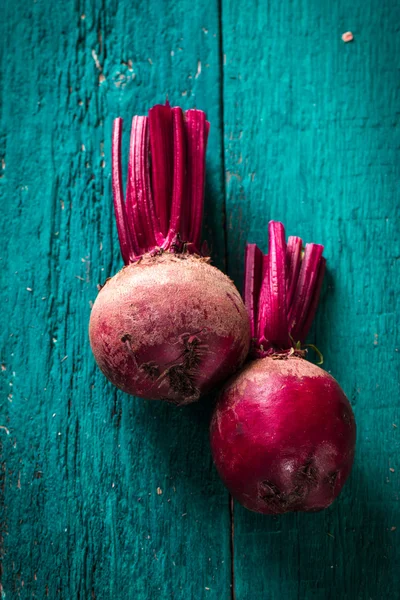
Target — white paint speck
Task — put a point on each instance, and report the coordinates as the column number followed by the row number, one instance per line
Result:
column 198, row 72
column 96, row 60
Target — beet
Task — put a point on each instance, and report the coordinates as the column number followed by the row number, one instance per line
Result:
column 283, row 436
column 283, row 432
column 169, row 325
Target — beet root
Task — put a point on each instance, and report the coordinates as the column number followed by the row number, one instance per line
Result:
column 283, row 436
column 169, row 326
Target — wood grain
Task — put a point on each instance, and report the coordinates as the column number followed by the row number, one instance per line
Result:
column 104, row 496
column 311, row 139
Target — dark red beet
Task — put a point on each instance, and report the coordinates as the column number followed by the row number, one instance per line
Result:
column 283, row 436
column 283, row 432
column 168, row 325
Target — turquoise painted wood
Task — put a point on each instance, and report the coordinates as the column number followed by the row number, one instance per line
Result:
column 310, row 139
column 103, row 496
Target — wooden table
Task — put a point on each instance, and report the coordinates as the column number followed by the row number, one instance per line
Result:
column 109, row 497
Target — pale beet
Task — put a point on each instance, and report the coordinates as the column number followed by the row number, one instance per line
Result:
column 169, row 325
column 283, row 432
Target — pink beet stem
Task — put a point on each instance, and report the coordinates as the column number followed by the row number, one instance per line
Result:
column 179, row 175
column 164, row 208
column 260, row 303
column 133, row 219
column 304, row 289
column 282, row 290
column 161, row 144
column 139, row 203
column 197, row 133
column 261, row 306
column 147, row 199
column 126, row 243
column 314, row 301
column 252, row 284
column 293, row 262
column 273, row 321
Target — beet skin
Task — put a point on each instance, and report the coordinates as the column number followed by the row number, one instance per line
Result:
column 169, row 327
column 283, row 436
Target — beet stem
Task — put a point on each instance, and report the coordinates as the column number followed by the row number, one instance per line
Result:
column 161, row 145
column 304, row 289
column 252, row 284
column 130, row 203
column 140, row 207
column 293, row 262
column 165, row 184
column 282, row 290
column 314, row 302
column 197, row 133
column 125, row 240
column 273, row 311
column 179, row 176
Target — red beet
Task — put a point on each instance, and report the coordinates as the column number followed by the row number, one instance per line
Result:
column 283, row 432
column 168, row 325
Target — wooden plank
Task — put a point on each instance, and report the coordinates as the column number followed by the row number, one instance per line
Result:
column 103, row 496
column 310, row 140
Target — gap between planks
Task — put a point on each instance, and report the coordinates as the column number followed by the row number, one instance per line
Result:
column 226, row 258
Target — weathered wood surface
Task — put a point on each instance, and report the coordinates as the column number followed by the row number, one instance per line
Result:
column 107, row 497
column 310, row 139
column 104, row 496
